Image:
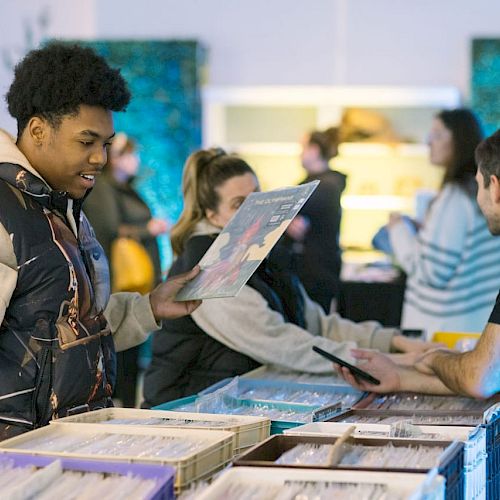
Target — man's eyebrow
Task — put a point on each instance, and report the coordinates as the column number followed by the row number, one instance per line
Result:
column 94, row 134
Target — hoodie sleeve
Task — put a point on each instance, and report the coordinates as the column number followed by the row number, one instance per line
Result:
column 248, row 325
column 130, row 318
column 366, row 334
column 8, row 270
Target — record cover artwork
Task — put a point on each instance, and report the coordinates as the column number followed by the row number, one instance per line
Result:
column 246, row 240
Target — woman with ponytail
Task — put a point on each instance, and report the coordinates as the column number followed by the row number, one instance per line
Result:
column 272, row 320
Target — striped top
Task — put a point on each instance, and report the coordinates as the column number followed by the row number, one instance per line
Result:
column 453, row 266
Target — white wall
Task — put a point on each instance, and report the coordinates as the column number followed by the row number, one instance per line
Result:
column 421, row 42
column 66, row 19
column 250, row 42
column 401, row 42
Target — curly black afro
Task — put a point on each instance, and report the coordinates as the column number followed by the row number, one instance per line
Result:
column 55, row 80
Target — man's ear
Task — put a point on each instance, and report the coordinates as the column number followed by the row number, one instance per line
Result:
column 495, row 189
column 37, row 130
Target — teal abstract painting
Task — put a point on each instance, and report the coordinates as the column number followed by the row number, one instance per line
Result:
column 485, row 82
column 164, row 116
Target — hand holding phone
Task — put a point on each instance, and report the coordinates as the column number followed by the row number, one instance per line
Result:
column 357, row 372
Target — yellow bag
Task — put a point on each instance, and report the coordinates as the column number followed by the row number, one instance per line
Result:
column 132, row 269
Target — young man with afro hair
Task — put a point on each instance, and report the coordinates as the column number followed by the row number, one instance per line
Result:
column 59, row 327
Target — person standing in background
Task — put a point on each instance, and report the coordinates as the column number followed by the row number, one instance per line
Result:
column 452, row 262
column 116, row 210
column 442, row 371
column 315, row 230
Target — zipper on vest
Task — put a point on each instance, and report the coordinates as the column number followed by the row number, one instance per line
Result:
column 43, row 380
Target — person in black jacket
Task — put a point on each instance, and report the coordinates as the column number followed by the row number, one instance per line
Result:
column 315, row 231
column 115, row 209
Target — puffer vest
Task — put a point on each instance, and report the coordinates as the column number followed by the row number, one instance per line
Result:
column 56, row 352
column 185, row 359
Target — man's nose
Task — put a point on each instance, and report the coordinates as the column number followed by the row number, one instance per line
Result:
column 99, row 157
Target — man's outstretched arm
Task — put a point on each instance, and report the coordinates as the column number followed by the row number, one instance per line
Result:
column 475, row 373
column 392, row 377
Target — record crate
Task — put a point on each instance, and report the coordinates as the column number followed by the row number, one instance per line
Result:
column 163, row 476
column 450, row 464
column 395, row 485
column 247, row 430
column 214, row 448
column 474, row 439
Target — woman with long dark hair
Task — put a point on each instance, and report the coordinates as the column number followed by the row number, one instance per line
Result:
column 452, row 263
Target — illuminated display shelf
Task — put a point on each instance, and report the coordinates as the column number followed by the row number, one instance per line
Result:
column 264, row 125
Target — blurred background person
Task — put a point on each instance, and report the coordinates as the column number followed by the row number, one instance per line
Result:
column 452, row 262
column 314, row 233
column 117, row 211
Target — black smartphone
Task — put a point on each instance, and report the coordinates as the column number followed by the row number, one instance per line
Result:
column 357, row 372
column 413, row 333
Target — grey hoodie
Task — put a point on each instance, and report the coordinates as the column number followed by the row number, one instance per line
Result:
column 248, row 325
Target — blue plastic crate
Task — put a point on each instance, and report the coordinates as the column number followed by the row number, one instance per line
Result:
column 452, row 469
column 177, row 404
column 244, row 385
column 455, row 490
column 277, row 426
column 250, row 383
column 318, row 413
column 493, row 456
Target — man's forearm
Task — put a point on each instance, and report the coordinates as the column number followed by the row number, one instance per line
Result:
column 469, row 374
column 451, row 369
column 475, row 373
column 414, row 381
